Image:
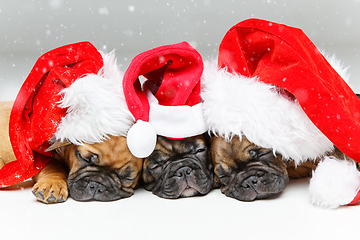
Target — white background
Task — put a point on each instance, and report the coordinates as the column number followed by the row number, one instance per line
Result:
column 31, row 28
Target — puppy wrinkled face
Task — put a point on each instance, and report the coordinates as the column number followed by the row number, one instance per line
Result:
column 179, row 168
column 247, row 172
column 103, row 171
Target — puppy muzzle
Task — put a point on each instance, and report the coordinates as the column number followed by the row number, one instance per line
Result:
column 184, row 178
column 257, row 182
column 96, row 185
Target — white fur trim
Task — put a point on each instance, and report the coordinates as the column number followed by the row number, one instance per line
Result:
column 96, row 107
column 334, row 183
column 237, row 105
column 176, row 121
column 338, row 66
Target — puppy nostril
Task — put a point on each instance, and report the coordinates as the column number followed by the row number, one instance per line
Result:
column 96, row 188
column 92, row 186
column 184, row 171
column 251, row 182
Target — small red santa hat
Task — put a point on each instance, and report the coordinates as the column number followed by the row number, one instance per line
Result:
column 272, row 85
column 168, row 103
column 73, row 93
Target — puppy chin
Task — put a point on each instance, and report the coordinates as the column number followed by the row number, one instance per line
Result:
column 181, row 192
column 189, row 192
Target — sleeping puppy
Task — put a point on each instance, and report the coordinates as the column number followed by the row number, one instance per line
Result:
column 179, row 168
column 103, row 171
column 248, row 172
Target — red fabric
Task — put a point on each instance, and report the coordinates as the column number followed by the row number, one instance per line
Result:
column 175, row 70
column 284, row 56
column 35, row 114
column 356, row 198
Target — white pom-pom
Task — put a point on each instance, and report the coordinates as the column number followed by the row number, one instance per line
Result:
column 334, row 183
column 141, row 139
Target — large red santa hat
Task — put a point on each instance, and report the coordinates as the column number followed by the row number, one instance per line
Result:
column 272, row 85
column 168, row 102
column 73, row 93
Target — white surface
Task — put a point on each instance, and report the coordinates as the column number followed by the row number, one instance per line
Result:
column 146, row 216
column 31, row 28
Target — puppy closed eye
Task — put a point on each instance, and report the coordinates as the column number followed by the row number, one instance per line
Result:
column 200, row 150
column 91, row 159
column 253, row 153
column 258, row 152
column 154, row 166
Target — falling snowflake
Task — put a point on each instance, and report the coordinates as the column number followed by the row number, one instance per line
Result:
column 131, row 8
column 103, row 11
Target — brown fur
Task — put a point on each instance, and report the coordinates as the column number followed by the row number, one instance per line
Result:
column 6, row 153
column 305, row 169
column 51, row 182
column 231, row 154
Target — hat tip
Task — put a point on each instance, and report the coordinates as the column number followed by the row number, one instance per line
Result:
column 141, row 139
column 329, row 188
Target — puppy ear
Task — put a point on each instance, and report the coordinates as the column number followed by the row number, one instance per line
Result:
column 57, row 144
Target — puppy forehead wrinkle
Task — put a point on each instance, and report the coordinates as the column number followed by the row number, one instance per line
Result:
column 164, row 145
column 111, row 152
column 190, row 145
column 229, row 154
column 200, row 142
column 87, row 149
column 120, row 159
column 242, row 145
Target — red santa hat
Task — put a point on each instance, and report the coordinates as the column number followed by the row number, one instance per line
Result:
column 168, row 102
column 272, row 85
column 73, row 93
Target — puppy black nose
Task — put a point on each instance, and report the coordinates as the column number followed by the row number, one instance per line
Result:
column 250, row 182
column 95, row 188
column 184, row 171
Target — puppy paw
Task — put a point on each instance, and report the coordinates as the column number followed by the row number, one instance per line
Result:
column 51, row 191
